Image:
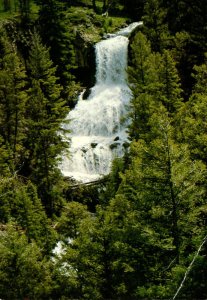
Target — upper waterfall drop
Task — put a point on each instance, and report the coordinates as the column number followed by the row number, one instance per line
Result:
column 97, row 133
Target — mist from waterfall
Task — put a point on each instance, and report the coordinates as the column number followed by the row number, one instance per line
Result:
column 98, row 132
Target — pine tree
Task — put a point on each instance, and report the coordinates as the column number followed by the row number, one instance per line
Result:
column 200, row 76
column 56, row 36
column 170, row 92
column 138, row 80
column 155, row 25
column 24, row 272
column 20, row 202
column 192, row 117
column 122, row 257
column 154, row 81
column 166, row 189
column 140, row 51
column 13, row 99
column 80, row 258
column 100, row 257
column 46, row 111
column 32, row 217
column 4, row 159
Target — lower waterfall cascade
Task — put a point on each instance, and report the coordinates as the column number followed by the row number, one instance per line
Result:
column 97, row 132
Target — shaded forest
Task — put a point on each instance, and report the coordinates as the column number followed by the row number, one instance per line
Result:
column 141, row 231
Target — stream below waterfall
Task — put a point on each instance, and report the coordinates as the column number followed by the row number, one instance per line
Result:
column 98, row 132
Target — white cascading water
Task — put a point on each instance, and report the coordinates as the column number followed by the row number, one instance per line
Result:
column 97, row 130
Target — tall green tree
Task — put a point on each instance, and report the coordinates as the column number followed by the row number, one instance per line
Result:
column 58, row 35
column 122, row 257
column 20, row 202
column 167, row 189
column 154, row 81
column 192, row 117
column 13, row 100
column 155, row 25
column 99, row 259
column 24, row 272
column 199, row 73
column 4, row 159
column 79, row 261
column 138, row 80
column 46, row 111
column 140, row 50
column 171, row 92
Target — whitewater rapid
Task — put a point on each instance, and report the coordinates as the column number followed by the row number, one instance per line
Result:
column 98, row 129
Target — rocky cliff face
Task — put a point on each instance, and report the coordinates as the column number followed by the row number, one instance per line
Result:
column 85, row 59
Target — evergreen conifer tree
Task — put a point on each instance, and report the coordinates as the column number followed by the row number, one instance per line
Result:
column 13, row 100
column 24, row 272
column 56, row 36
column 170, row 91
column 155, row 25
column 20, row 202
column 154, row 81
column 166, row 188
column 138, row 72
column 46, row 111
column 192, row 117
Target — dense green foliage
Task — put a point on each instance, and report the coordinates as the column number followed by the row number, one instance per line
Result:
column 135, row 235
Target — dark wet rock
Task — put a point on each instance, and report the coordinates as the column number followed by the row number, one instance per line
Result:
column 114, row 145
column 116, row 138
column 93, row 145
column 126, row 145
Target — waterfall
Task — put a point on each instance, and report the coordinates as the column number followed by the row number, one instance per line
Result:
column 97, row 131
